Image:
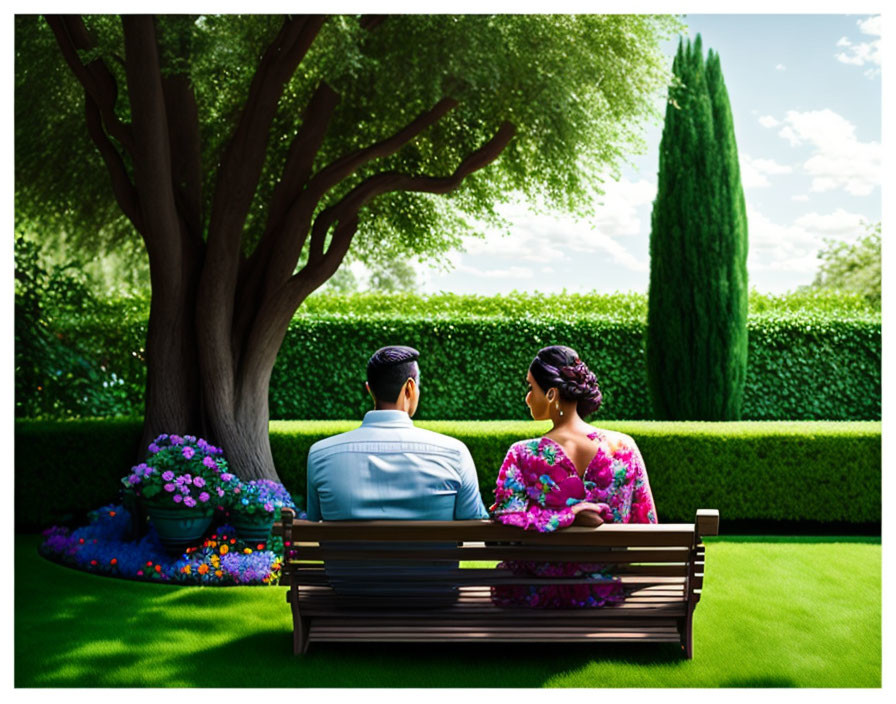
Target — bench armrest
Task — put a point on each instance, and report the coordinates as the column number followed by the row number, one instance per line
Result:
column 707, row 521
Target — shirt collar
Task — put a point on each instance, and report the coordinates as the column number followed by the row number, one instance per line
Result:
column 387, row 419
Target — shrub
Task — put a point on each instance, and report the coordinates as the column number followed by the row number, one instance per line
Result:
column 813, row 355
column 791, row 471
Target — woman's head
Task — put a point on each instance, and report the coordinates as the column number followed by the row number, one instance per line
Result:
column 558, row 367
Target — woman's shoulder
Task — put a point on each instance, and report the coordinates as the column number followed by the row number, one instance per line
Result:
column 529, row 444
column 615, row 439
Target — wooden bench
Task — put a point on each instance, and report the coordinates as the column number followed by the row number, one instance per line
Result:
column 661, row 564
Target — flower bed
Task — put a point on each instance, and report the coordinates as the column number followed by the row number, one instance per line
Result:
column 103, row 547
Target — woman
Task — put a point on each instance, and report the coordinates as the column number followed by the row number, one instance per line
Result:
column 576, row 474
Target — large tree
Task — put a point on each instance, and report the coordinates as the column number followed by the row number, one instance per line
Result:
column 252, row 154
column 697, row 305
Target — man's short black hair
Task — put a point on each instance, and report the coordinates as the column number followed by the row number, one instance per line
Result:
column 389, row 368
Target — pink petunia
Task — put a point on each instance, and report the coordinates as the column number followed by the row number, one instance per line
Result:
column 203, row 497
column 170, row 487
column 178, row 498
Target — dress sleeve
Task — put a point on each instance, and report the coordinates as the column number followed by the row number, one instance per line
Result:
column 643, row 508
column 520, row 496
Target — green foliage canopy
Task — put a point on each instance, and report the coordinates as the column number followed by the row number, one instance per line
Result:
column 577, row 87
column 852, row 266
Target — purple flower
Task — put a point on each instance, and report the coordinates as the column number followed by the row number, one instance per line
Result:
column 176, row 439
column 178, row 498
column 203, row 497
column 209, row 462
column 153, row 448
column 134, row 479
column 188, row 478
column 188, row 452
column 269, row 507
column 199, row 481
column 226, row 477
column 220, row 491
column 170, row 487
column 190, row 501
column 168, row 476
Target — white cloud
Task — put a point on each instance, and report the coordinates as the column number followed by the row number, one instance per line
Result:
column 839, row 159
column 871, row 25
column 768, row 121
column 780, row 67
column 513, row 272
column 863, row 52
column 840, row 223
column 754, row 173
column 794, row 247
column 801, row 197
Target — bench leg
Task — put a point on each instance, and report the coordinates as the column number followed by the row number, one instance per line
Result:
column 300, row 626
column 687, row 635
column 300, row 634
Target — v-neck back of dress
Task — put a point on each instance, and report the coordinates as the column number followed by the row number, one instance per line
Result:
column 591, row 436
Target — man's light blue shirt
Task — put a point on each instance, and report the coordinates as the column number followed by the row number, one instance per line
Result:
column 390, row 469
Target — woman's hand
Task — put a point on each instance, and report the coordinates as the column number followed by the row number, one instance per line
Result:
column 587, row 514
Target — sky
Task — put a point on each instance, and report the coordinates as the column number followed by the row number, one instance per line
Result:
column 805, row 94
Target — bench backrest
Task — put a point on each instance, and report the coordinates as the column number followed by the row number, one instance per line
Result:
column 640, row 554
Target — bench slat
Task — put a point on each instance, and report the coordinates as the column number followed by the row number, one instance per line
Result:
column 534, row 553
column 610, row 534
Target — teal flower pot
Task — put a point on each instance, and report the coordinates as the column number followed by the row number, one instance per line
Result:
column 179, row 528
column 252, row 528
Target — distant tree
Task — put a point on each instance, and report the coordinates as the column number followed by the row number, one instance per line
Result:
column 852, row 266
column 697, row 306
column 252, row 153
column 395, row 277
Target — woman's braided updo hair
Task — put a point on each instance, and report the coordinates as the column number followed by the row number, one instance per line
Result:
column 560, row 367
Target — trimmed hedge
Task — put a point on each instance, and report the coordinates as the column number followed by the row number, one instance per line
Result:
column 812, row 356
column 801, row 366
column 781, row 471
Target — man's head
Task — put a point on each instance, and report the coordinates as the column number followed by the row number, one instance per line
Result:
column 393, row 378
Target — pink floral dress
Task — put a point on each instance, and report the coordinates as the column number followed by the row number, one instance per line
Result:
column 537, row 487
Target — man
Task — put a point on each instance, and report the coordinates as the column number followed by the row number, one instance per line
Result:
column 390, row 469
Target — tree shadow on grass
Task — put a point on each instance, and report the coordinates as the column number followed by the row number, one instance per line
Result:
column 759, row 682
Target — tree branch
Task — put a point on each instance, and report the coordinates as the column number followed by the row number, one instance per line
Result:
column 302, row 152
column 97, row 79
column 186, row 158
column 385, row 182
column 371, row 22
column 125, row 193
column 345, row 166
column 152, row 146
column 244, row 158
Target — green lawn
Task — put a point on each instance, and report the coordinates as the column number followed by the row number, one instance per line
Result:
column 776, row 612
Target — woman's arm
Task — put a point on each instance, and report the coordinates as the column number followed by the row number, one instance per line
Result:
column 643, row 507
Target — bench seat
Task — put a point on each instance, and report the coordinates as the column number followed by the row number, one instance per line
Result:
column 659, row 566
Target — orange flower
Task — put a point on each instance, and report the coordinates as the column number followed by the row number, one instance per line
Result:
column 203, row 568
column 247, row 551
column 224, row 549
column 218, row 573
column 186, row 569
column 158, row 568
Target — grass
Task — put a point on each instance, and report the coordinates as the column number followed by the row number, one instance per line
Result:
column 776, row 612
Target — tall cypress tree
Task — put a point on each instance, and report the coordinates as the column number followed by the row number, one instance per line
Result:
column 697, row 310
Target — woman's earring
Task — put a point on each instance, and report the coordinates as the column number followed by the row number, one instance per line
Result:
column 559, row 409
